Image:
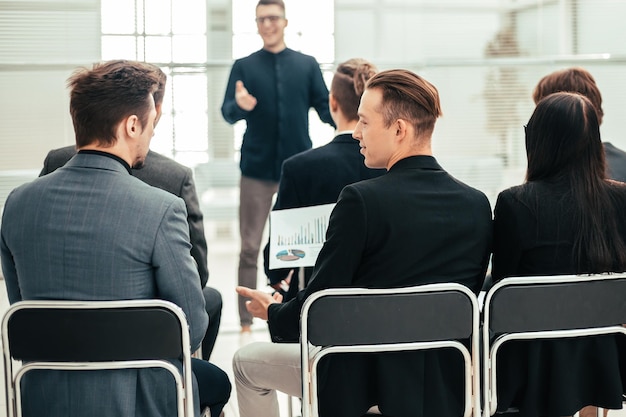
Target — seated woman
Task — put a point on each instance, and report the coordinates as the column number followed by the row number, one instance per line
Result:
column 567, row 218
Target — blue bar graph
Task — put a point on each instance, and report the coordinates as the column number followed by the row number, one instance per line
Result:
column 310, row 233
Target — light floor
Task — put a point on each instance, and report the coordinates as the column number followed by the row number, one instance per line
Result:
column 222, row 258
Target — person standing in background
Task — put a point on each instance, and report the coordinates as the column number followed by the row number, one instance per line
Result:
column 272, row 90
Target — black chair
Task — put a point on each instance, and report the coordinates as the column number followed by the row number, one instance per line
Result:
column 96, row 335
column 547, row 307
column 351, row 320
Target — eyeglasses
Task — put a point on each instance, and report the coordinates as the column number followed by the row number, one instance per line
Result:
column 272, row 19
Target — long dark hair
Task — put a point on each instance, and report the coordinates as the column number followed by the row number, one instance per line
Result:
column 563, row 143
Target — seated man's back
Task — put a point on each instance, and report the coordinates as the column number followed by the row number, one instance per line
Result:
column 414, row 225
column 76, row 234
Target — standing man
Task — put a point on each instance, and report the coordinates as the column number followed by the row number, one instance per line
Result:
column 414, row 225
column 75, row 234
column 165, row 173
column 272, row 90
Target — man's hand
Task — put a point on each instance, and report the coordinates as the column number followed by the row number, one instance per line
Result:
column 283, row 285
column 244, row 99
column 259, row 301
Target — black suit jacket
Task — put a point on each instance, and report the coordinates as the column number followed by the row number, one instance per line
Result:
column 414, row 225
column 534, row 234
column 615, row 161
column 316, row 177
column 164, row 173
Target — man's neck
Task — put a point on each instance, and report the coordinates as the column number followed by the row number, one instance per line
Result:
column 344, row 125
column 275, row 48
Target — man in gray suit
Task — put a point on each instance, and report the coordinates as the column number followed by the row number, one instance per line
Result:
column 75, row 234
column 167, row 174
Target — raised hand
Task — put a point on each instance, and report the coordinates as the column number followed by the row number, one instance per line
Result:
column 244, row 99
column 259, row 301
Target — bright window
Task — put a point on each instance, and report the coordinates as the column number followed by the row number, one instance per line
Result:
column 183, row 38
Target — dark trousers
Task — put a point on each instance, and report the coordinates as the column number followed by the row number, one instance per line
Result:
column 213, row 302
column 213, row 385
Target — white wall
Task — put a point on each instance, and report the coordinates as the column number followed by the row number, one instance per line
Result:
column 40, row 45
column 487, row 99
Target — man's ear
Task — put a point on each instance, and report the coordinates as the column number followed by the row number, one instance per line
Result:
column 132, row 126
column 401, row 128
column 332, row 102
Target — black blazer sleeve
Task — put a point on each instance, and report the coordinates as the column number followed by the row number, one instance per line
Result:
column 336, row 265
column 196, row 226
column 507, row 245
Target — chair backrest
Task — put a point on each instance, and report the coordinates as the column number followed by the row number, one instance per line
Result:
column 367, row 320
column 542, row 307
column 96, row 335
column 557, row 302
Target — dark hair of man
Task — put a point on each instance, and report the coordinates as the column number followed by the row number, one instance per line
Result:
column 563, row 143
column 279, row 3
column 102, row 97
column 159, row 93
column 407, row 96
column 571, row 80
column 348, row 84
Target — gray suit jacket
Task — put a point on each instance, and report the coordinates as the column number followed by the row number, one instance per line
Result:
column 75, row 235
column 164, row 173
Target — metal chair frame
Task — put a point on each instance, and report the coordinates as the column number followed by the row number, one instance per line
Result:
column 467, row 305
column 124, row 353
column 565, row 318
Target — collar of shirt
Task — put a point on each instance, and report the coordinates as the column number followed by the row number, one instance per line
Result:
column 344, row 132
column 110, row 155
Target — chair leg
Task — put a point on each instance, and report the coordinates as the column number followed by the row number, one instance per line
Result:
column 197, row 354
column 289, row 406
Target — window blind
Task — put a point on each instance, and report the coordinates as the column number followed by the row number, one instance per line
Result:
column 484, row 57
column 41, row 42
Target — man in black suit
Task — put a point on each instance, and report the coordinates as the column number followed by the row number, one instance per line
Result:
column 165, row 173
column 414, row 225
column 318, row 175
